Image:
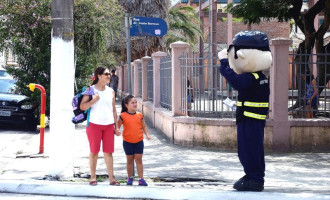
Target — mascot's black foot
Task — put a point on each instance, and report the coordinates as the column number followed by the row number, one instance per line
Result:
column 245, row 184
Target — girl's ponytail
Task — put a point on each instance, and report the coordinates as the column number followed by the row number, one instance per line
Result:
column 123, row 106
column 124, row 102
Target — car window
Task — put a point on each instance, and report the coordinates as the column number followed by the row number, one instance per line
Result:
column 7, row 86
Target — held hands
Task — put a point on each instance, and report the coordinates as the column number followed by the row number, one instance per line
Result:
column 223, row 54
column 117, row 132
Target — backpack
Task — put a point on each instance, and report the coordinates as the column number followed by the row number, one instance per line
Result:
column 81, row 115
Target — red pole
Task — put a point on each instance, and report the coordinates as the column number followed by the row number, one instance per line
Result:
column 32, row 86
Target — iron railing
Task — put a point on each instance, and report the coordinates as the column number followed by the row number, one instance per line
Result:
column 140, row 79
column 166, row 82
column 150, row 80
column 208, row 89
column 132, row 82
column 303, row 69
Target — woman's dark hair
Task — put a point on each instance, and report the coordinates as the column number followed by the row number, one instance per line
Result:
column 98, row 71
column 124, row 102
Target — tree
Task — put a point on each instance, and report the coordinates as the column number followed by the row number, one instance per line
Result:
column 253, row 11
column 98, row 28
column 25, row 28
column 142, row 46
column 184, row 25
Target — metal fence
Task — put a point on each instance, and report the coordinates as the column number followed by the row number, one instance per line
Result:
column 132, row 81
column 166, row 82
column 150, row 80
column 140, row 79
column 208, row 91
column 305, row 71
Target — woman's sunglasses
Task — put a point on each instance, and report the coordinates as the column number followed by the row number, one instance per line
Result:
column 106, row 74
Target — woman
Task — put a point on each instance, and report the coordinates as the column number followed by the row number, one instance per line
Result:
column 311, row 94
column 102, row 123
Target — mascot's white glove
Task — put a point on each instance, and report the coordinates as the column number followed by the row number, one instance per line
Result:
column 223, row 54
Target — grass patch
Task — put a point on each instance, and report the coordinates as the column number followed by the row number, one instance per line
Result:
column 224, row 19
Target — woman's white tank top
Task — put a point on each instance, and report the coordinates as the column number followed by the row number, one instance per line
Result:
column 102, row 110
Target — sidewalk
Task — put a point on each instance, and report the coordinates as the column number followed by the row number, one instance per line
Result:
column 172, row 172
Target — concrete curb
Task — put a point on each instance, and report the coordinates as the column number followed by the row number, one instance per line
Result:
column 103, row 190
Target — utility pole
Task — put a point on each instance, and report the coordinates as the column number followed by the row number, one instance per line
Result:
column 61, row 89
column 128, row 47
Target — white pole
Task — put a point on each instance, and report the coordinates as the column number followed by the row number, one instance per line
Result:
column 61, row 90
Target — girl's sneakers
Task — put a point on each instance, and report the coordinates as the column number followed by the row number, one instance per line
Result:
column 129, row 181
column 142, row 182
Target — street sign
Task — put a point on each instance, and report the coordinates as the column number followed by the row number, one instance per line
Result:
column 146, row 26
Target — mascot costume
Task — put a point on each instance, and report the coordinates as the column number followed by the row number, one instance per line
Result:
column 242, row 65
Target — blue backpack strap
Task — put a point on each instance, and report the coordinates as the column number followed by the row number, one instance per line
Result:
column 89, row 109
column 88, row 114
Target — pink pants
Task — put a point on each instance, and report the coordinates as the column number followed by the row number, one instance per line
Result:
column 97, row 133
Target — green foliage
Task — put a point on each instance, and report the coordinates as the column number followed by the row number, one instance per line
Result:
column 225, row 19
column 97, row 31
column 292, row 24
column 184, row 25
column 25, row 28
column 253, row 11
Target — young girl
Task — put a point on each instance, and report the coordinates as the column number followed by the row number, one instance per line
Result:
column 134, row 126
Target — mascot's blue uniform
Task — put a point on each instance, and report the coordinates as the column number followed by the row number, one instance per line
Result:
column 251, row 113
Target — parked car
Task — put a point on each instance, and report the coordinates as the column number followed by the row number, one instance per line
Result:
column 16, row 109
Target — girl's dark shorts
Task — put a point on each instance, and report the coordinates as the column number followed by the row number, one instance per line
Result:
column 133, row 148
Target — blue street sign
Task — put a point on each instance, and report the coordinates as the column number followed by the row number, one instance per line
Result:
column 146, row 26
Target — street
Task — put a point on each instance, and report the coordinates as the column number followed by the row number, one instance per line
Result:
column 167, row 167
column 12, row 196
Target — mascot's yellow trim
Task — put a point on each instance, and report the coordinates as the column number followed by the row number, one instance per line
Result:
column 253, row 104
column 254, row 115
column 255, row 75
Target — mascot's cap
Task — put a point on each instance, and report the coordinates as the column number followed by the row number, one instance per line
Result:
column 250, row 40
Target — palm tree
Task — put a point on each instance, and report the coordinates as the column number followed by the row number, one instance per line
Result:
column 184, row 25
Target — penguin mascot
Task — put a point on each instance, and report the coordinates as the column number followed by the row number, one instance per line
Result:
column 242, row 65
